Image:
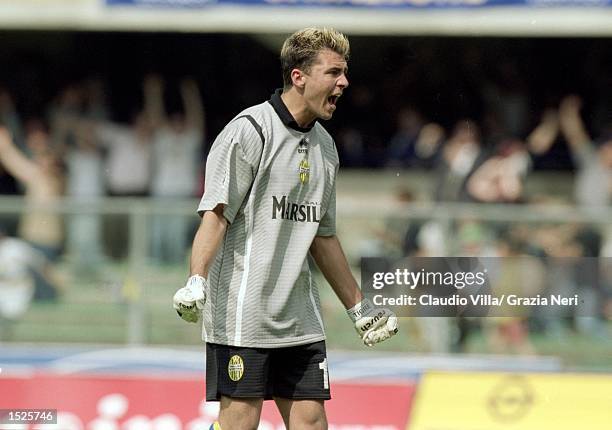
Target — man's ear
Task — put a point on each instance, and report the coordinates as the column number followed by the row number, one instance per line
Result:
column 298, row 78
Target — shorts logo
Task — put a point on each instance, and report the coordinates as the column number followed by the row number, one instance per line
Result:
column 235, row 368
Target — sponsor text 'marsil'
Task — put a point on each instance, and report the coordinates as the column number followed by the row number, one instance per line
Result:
column 299, row 212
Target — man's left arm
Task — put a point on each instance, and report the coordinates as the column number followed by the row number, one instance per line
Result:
column 373, row 325
column 329, row 256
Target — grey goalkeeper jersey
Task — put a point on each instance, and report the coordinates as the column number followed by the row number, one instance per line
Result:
column 277, row 182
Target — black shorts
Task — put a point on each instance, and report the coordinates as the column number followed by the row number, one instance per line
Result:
column 297, row 372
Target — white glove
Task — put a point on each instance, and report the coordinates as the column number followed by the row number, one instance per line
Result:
column 189, row 300
column 373, row 325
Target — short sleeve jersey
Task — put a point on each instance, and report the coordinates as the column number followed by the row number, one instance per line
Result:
column 277, row 184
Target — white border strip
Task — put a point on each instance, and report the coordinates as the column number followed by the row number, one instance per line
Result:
column 95, row 15
column 245, row 273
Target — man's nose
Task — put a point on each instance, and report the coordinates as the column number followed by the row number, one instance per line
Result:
column 343, row 81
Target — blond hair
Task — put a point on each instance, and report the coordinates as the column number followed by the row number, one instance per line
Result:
column 301, row 49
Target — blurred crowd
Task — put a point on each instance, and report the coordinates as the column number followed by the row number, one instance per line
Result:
column 540, row 258
column 76, row 149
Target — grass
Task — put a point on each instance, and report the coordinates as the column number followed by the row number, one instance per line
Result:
column 95, row 311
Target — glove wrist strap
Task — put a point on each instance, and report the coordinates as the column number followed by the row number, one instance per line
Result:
column 196, row 279
column 360, row 309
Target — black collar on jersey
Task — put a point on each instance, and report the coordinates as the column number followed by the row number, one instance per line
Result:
column 281, row 109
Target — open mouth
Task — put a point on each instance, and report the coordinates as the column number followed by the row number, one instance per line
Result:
column 332, row 100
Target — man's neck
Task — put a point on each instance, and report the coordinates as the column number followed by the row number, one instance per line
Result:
column 294, row 101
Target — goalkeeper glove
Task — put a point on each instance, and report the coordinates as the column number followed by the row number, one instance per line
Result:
column 189, row 300
column 373, row 325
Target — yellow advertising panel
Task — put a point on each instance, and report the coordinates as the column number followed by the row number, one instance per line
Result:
column 512, row 401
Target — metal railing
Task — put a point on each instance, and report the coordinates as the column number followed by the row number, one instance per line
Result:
column 349, row 209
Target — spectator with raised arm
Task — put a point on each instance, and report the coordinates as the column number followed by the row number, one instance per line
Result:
column 500, row 176
column 593, row 190
column 458, row 156
column 42, row 178
column 8, row 185
column 593, row 187
column 127, row 166
column 84, row 177
column 177, row 141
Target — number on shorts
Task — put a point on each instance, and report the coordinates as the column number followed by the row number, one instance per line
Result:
column 323, row 367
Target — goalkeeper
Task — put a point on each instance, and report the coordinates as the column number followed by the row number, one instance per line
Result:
column 270, row 200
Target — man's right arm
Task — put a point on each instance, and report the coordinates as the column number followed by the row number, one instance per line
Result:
column 229, row 177
column 190, row 300
column 207, row 241
column 228, row 180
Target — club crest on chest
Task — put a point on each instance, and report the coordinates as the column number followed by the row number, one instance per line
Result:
column 304, row 171
column 304, row 166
